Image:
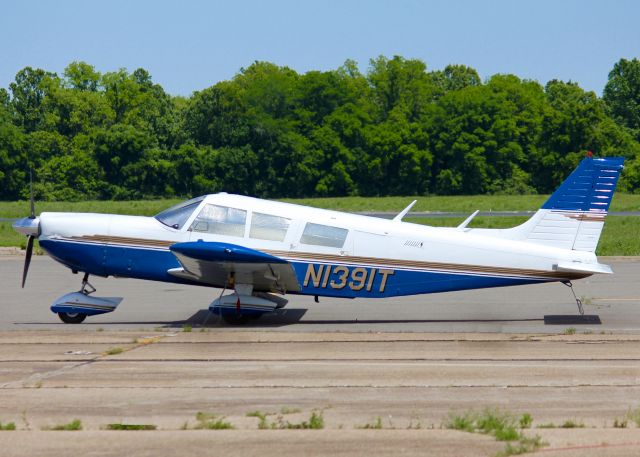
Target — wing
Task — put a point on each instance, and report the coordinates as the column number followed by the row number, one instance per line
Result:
column 212, row 263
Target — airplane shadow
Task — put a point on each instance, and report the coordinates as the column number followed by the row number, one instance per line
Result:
column 205, row 319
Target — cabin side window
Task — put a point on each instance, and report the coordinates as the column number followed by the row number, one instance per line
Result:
column 220, row 220
column 323, row 235
column 268, row 227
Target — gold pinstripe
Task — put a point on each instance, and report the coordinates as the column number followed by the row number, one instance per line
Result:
column 358, row 260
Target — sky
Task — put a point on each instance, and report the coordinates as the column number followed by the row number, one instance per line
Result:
column 189, row 45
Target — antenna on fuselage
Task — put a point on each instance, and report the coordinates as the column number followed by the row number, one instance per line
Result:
column 404, row 212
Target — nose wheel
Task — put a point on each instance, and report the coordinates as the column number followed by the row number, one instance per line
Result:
column 78, row 318
column 72, row 318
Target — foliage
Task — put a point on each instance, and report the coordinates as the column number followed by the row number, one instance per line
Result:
column 212, row 422
column 500, row 424
column 9, row 426
column 74, row 425
column 634, row 415
column 315, row 422
column 397, row 129
column 377, row 425
column 136, row 427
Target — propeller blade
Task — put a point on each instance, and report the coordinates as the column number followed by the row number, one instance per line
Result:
column 33, row 204
column 27, row 259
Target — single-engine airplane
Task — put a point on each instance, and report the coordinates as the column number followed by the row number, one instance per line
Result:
column 259, row 250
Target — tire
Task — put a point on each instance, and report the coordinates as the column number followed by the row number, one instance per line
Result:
column 72, row 318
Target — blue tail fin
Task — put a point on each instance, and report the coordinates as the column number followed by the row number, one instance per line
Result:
column 589, row 188
column 573, row 217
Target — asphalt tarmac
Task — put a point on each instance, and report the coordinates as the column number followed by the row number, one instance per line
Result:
column 386, row 376
column 615, row 299
column 377, row 394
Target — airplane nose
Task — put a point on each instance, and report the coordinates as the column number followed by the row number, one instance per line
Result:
column 28, row 226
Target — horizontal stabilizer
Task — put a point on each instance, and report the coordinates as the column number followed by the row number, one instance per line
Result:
column 579, row 267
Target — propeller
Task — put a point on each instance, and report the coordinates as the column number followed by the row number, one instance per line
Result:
column 30, row 236
column 27, row 259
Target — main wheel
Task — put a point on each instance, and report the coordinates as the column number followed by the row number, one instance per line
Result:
column 72, row 318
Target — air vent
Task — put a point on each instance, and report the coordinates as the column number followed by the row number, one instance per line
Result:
column 413, row 243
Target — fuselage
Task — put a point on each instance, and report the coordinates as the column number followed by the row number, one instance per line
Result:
column 332, row 253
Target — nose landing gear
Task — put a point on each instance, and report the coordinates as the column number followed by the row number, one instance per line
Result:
column 74, row 308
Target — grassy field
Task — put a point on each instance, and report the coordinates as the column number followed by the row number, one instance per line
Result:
column 620, row 236
column 463, row 204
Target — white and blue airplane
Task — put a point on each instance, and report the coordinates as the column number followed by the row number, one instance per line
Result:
column 259, row 250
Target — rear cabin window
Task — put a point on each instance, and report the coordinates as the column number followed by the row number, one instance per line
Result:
column 268, row 227
column 220, row 220
column 323, row 235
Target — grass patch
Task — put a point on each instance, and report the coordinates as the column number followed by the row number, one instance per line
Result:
column 569, row 331
column 620, row 423
column 9, row 426
column 569, row 423
column 547, row 425
column 634, row 415
column 208, row 421
column 186, row 328
column 458, row 203
column 315, row 422
column 377, row 425
column 523, row 446
column 502, row 425
column 114, row 351
column 526, row 420
column 119, row 426
column 263, row 423
column 72, row 426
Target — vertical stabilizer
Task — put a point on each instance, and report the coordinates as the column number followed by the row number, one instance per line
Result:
column 573, row 217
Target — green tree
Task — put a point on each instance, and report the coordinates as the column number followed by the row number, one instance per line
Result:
column 454, row 77
column 81, row 76
column 400, row 84
column 27, row 96
column 622, row 93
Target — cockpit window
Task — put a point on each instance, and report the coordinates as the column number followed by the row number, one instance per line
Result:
column 324, row 235
column 177, row 215
column 221, row 220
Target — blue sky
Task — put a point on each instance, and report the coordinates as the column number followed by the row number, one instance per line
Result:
column 190, row 45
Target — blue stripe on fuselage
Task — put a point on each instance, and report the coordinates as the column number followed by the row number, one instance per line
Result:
column 351, row 281
column 112, row 260
column 348, row 281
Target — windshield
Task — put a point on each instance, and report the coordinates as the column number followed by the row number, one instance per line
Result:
column 177, row 215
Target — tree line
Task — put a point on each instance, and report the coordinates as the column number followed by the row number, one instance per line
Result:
column 397, row 129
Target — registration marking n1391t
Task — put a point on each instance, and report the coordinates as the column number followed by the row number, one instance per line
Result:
column 340, row 276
